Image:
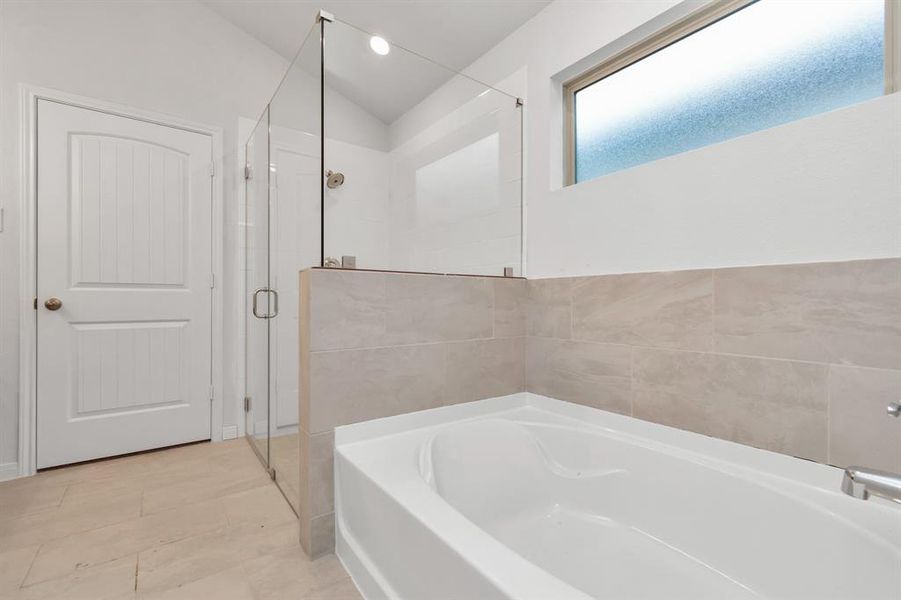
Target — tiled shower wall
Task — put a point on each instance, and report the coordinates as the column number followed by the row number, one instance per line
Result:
column 377, row 344
column 799, row 359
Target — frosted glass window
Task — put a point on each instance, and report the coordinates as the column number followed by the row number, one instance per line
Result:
column 769, row 63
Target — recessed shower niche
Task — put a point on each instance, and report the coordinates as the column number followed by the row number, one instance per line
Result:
column 372, row 156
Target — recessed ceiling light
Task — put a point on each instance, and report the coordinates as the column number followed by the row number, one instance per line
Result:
column 379, row 45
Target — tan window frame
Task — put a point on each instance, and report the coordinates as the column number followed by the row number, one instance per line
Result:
column 684, row 27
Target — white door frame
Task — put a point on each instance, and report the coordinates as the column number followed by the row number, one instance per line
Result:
column 28, row 102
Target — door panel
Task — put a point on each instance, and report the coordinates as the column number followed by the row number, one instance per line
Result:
column 129, row 205
column 124, row 241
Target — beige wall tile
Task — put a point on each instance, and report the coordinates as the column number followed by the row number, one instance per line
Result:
column 587, row 373
column 322, row 473
column 305, row 324
column 322, row 535
column 549, row 305
column 436, row 308
column 773, row 404
column 349, row 386
column 860, row 431
column 347, row 309
column 509, row 307
column 665, row 310
column 844, row 313
column 485, row 368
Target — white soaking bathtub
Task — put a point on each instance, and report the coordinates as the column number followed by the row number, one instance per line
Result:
column 528, row 497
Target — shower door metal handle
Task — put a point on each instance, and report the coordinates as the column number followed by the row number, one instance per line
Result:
column 268, row 315
column 274, row 304
column 256, row 293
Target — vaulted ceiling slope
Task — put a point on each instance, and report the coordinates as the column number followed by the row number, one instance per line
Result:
column 451, row 32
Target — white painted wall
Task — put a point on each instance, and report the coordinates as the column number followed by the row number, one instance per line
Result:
column 823, row 188
column 175, row 58
column 826, row 188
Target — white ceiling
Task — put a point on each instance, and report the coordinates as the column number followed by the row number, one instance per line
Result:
column 451, row 32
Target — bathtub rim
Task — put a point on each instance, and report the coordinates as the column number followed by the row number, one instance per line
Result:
column 749, row 462
column 767, row 462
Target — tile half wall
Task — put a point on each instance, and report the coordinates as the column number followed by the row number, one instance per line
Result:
column 800, row 359
column 376, row 344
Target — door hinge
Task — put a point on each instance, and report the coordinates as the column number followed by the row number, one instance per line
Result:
column 248, row 172
column 212, row 169
column 247, row 403
column 212, row 280
column 35, row 302
column 212, row 393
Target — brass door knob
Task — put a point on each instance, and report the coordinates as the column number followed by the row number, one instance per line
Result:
column 53, row 304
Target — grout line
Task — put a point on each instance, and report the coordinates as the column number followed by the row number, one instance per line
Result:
column 632, row 382
column 714, row 353
column 713, row 342
column 828, row 414
column 63, row 497
column 493, row 310
column 406, row 345
column 30, row 566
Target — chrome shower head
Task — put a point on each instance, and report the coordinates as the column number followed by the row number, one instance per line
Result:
column 333, row 179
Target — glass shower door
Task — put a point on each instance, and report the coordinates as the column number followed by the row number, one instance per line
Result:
column 295, row 196
column 283, row 184
column 260, row 300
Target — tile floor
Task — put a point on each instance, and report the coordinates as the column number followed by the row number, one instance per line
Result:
column 284, row 453
column 199, row 521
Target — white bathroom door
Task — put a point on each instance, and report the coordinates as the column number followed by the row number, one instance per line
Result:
column 124, row 277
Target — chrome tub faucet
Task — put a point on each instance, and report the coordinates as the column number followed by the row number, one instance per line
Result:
column 861, row 482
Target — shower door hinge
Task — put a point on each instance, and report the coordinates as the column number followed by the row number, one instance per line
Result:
column 518, row 102
column 212, row 280
column 247, row 403
column 212, row 393
column 248, row 172
column 212, row 169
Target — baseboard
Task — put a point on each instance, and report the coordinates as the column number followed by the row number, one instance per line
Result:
column 9, row 471
column 229, row 432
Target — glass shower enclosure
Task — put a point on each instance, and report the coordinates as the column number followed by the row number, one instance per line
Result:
column 368, row 156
